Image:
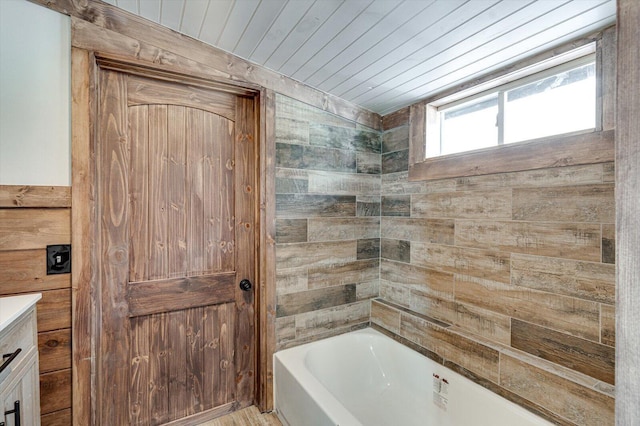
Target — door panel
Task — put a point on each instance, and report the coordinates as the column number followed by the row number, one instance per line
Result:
column 187, row 227
column 176, row 172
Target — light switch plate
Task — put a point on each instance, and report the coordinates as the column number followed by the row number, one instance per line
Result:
column 59, row 259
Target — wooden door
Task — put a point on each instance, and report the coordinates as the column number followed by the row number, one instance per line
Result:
column 175, row 167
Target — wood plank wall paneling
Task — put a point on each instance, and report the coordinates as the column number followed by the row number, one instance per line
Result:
column 508, row 277
column 327, row 185
column 32, row 217
column 628, row 214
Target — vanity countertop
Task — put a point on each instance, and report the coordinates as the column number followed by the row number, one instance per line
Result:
column 12, row 307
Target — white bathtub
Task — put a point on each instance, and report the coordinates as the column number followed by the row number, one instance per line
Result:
column 366, row 378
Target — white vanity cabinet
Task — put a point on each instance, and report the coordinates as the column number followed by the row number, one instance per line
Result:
column 19, row 379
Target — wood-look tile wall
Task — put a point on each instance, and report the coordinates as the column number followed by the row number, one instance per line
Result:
column 30, row 219
column 327, row 222
column 509, row 278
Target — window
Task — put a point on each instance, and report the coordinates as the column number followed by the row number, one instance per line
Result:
column 558, row 100
column 556, row 111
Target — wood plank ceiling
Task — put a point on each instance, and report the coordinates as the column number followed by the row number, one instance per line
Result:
column 380, row 54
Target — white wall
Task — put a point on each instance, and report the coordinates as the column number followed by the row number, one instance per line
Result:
column 34, row 95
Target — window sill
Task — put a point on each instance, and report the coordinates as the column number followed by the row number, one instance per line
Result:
column 557, row 151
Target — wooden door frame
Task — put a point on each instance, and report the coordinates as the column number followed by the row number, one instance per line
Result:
column 85, row 302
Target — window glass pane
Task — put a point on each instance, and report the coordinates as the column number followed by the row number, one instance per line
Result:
column 469, row 126
column 558, row 104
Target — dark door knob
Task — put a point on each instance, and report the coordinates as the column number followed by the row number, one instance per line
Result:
column 245, row 285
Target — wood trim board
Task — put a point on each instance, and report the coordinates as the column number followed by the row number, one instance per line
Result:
column 628, row 215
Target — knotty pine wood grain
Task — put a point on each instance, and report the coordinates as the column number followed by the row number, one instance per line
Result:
column 34, row 228
column 177, row 390
column 247, row 223
column 139, row 188
column 158, row 265
column 176, row 192
column 83, row 197
column 57, row 418
column 581, row 355
column 219, row 368
column 140, row 384
column 55, row 391
column 24, row 196
column 267, row 286
column 144, row 91
column 54, row 349
column 194, row 360
column 24, row 271
column 149, row 297
column 112, row 211
column 54, row 310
